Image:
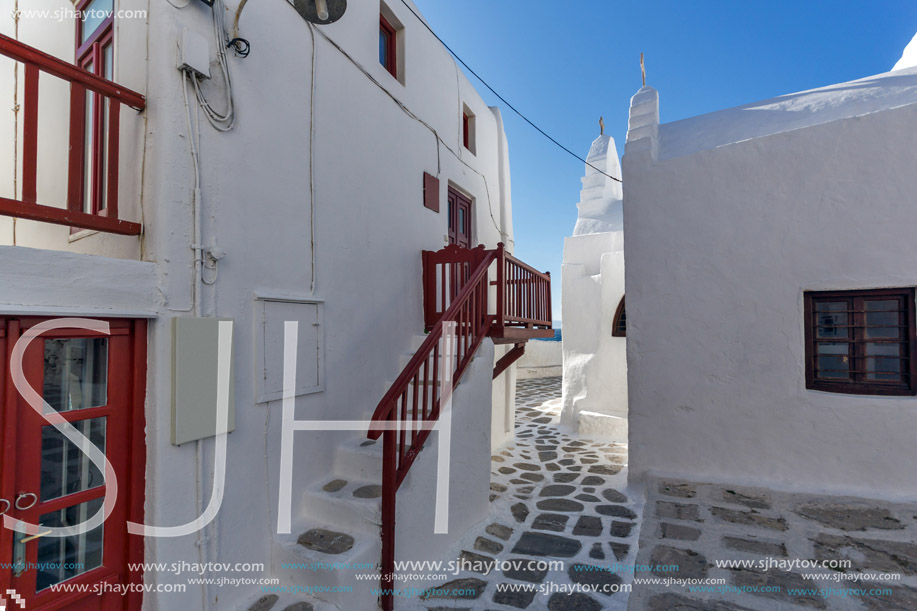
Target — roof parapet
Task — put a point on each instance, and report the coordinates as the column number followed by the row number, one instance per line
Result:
column 643, row 125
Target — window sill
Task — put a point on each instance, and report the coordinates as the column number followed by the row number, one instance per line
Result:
column 853, row 389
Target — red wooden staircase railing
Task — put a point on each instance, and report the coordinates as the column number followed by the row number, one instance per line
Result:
column 458, row 291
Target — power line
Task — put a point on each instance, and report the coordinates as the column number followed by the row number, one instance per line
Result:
column 500, row 97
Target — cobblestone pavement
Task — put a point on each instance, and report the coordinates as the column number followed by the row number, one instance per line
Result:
column 694, row 525
column 555, row 497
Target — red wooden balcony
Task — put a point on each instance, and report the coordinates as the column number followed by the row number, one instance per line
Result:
column 469, row 294
column 112, row 96
column 521, row 295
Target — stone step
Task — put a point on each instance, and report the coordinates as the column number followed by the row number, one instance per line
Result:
column 359, row 458
column 327, row 557
column 337, row 500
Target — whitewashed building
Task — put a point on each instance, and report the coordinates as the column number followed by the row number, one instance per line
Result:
column 594, row 329
column 770, row 290
column 161, row 202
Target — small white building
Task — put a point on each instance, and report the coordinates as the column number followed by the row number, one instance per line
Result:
column 354, row 146
column 770, row 285
column 594, row 328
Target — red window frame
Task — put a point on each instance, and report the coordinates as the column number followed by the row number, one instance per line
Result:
column 90, row 56
column 619, row 323
column 21, row 430
column 465, row 131
column 861, row 379
column 390, row 61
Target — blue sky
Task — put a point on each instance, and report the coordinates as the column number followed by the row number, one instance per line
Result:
column 566, row 62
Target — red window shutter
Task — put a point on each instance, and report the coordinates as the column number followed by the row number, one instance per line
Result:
column 431, row 192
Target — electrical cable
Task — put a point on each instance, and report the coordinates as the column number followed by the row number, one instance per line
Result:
column 221, row 121
column 311, row 162
column 411, row 114
column 241, row 46
column 500, row 97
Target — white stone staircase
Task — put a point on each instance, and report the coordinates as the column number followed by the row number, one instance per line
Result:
column 339, row 524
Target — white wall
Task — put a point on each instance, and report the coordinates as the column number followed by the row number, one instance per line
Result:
column 367, row 220
column 721, row 245
column 541, row 360
column 469, row 473
column 594, row 363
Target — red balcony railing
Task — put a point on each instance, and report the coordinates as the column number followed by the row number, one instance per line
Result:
column 523, row 297
column 522, row 293
column 457, row 297
column 114, row 96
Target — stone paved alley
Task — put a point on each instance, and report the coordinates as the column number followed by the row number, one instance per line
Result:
column 560, row 496
column 555, row 496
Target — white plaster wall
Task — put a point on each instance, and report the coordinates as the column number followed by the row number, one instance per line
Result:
column 594, row 362
column 721, row 245
column 469, row 474
column 541, row 360
column 503, row 398
column 33, row 282
column 594, row 367
column 369, row 228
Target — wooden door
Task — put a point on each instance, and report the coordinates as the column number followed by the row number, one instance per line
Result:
column 95, row 382
column 459, row 219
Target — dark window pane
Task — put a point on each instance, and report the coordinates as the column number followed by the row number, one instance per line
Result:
column 76, row 373
column 882, row 324
column 63, row 558
column 65, row 467
column 832, row 319
column 93, row 15
column 833, row 361
column 883, row 369
column 833, row 367
column 883, row 349
column 882, row 304
column 383, row 47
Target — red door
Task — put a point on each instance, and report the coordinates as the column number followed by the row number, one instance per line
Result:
column 459, row 219
column 96, row 383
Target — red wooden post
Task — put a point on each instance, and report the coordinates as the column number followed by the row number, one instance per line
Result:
column 8, row 467
column 77, row 150
column 429, row 289
column 501, row 287
column 138, row 457
column 30, row 136
column 114, row 131
column 414, row 406
column 549, row 317
column 389, row 490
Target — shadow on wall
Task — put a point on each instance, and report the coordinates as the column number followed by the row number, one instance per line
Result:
column 542, row 359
